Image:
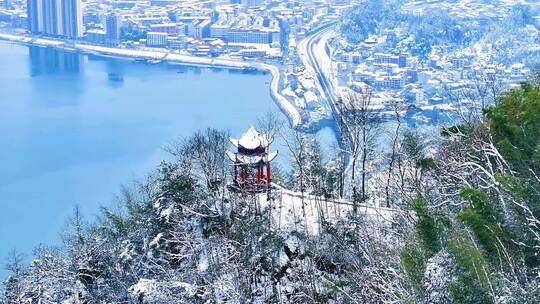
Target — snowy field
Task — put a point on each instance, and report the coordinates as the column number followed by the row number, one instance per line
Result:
column 292, row 211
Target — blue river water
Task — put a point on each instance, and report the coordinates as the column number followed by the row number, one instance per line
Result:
column 74, row 128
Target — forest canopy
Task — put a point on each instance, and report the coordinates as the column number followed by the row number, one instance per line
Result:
column 465, row 225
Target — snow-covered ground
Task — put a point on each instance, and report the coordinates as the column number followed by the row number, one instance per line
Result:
column 292, row 211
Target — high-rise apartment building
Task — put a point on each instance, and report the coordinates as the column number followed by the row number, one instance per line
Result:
column 55, row 18
column 35, row 16
column 113, row 24
column 72, row 19
column 52, row 17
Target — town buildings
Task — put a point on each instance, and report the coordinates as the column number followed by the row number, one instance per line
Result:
column 272, row 31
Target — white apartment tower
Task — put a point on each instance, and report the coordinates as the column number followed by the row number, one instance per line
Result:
column 55, row 18
column 72, row 19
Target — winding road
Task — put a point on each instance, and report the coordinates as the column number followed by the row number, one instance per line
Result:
column 312, row 50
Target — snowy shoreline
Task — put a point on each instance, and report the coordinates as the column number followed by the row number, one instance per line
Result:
column 283, row 103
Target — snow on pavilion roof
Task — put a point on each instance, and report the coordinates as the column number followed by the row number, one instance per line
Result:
column 250, row 140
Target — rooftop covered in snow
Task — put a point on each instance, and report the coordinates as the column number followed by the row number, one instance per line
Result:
column 250, row 140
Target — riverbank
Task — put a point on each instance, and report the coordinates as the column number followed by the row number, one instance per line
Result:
column 292, row 113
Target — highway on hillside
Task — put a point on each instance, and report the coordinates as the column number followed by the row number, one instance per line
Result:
column 312, row 50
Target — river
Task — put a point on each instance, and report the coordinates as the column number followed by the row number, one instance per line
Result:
column 74, row 128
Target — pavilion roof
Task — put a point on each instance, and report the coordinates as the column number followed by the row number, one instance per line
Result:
column 250, row 160
column 250, row 140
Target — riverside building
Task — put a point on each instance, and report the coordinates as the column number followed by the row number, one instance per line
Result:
column 55, row 18
column 113, row 24
column 156, row 39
